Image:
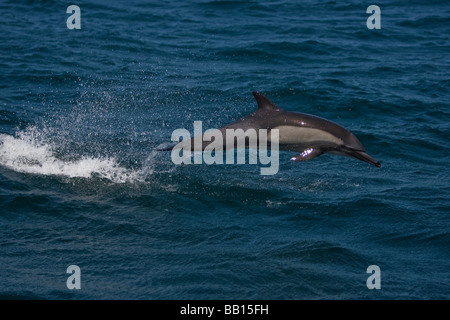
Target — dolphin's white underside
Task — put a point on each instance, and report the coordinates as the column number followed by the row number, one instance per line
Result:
column 304, row 136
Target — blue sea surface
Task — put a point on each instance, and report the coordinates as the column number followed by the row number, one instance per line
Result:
column 82, row 112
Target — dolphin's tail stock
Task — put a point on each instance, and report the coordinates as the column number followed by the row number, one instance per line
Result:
column 165, row 148
column 361, row 155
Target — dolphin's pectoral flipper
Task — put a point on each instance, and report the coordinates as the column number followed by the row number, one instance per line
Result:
column 307, row 154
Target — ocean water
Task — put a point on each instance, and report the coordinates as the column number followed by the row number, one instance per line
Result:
column 82, row 112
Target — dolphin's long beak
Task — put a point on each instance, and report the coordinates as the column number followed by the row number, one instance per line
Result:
column 361, row 155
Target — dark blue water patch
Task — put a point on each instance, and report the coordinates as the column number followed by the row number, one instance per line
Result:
column 8, row 118
column 425, row 22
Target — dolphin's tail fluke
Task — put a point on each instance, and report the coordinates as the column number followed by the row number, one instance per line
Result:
column 361, row 155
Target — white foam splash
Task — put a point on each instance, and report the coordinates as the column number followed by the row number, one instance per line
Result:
column 28, row 154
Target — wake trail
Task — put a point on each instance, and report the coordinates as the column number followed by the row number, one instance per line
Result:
column 28, row 152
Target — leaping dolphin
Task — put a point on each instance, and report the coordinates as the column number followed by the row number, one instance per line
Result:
column 309, row 135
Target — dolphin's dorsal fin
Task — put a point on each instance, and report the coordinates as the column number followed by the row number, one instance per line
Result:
column 263, row 102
